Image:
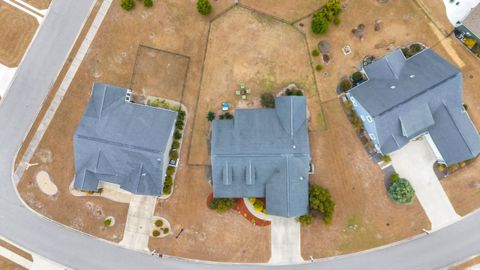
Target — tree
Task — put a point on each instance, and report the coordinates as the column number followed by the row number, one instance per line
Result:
column 210, row 116
column 320, row 200
column 357, row 77
column 319, row 67
column 315, row 53
column 148, row 3
column 127, row 4
column 221, row 205
column 401, row 191
column 268, row 100
column 345, row 85
column 305, row 219
column 319, row 24
column 204, row 7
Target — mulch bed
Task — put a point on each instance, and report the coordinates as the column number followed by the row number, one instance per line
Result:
column 242, row 209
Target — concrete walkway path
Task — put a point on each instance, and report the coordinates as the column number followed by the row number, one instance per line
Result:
column 139, row 222
column 415, row 163
column 285, row 241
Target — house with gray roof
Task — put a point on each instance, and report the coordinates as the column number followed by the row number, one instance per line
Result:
column 404, row 99
column 470, row 26
column 264, row 153
column 123, row 143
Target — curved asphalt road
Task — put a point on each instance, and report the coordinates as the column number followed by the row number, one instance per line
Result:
column 73, row 249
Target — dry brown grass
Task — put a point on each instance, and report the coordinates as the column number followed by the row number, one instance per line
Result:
column 286, row 10
column 6, row 264
column 16, row 250
column 40, row 4
column 248, row 47
column 17, row 29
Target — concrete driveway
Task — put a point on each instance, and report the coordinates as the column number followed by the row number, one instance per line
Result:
column 285, row 241
column 415, row 163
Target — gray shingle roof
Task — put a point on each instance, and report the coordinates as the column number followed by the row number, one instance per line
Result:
column 264, row 153
column 427, row 98
column 121, row 142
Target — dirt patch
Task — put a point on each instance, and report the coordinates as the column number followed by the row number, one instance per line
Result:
column 159, row 73
column 260, row 51
column 206, row 234
column 286, row 10
column 40, row 4
column 365, row 217
column 17, row 29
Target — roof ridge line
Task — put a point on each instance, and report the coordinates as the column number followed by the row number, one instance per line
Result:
column 99, row 140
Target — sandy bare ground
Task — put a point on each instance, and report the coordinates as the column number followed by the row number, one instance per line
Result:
column 16, row 29
column 286, row 10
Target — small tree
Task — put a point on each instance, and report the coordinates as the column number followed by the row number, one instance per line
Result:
column 319, row 24
column 210, row 116
column 127, row 4
column 204, row 7
column 357, row 77
column 315, row 53
column 319, row 67
column 159, row 223
column 268, row 100
column 321, row 200
column 148, row 3
column 401, row 191
column 156, row 233
column 305, row 219
column 345, row 85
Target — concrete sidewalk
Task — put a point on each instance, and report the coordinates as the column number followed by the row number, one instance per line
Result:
column 415, row 163
column 285, row 241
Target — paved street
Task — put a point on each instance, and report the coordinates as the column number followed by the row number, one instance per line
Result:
column 39, row 235
column 415, row 163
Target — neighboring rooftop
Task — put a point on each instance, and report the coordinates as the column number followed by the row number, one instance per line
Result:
column 408, row 97
column 264, row 153
column 121, row 142
column 472, row 21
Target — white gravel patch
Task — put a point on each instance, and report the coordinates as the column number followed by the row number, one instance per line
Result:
column 45, row 183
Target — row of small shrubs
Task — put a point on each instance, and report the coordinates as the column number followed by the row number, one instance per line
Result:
column 267, row 100
column 355, row 79
column 174, row 150
column 225, row 115
column 156, row 233
column 222, row 205
column 293, row 92
column 328, row 13
column 130, row 4
column 320, row 201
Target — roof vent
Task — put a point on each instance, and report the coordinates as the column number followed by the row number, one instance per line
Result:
column 412, row 76
column 301, row 178
column 293, row 146
column 393, row 87
column 144, row 174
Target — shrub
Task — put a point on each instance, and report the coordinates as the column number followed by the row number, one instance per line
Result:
column 155, row 102
column 181, row 115
column 107, row 222
column 258, row 205
column 167, row 185
column 221, row 205
column 148, row 3
column 210, row 116
column 177, row 135
column 268, row 100
column 386, row 158
column 156, row 233
column 321, row 200
column 175, row 144
column 179, row 124
column 337, row 20
column 356, row 121
column 305, row 219
column 299, row 93
column 470, row 42
column 401, row 191
column 440, row 167
column 415, row 48
column 204, row 7
column 173, row 155
column 228, row 115
column 165, row 230
column 345, row 85
column 465, row 107
column 319, row 24
column 315, row 53
column 159, row 223
column 476, row 49
column 170, row 170
column 406, row 52
column 357, row 77
column 319, row 67
column 127, row 4
column 394, row 177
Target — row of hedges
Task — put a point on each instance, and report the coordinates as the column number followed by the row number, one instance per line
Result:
column 328, row 13
column 130, row 4
column 177, row 135
column 320, row 201
column 222, row 205
column 353, row 80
